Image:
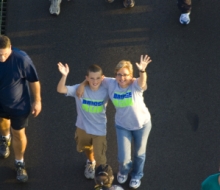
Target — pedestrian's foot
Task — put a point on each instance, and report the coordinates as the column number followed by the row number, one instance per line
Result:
column 90, row 170
column 184, row 18
column 55, row 7
column 122, row 178
column 4, row 147
column 135, row 183
column 21, row 172
column 129, row 3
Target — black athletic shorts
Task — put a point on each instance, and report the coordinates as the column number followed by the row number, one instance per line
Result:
column 17, row 122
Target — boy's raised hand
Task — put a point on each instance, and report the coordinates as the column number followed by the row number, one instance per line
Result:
column 144, row 61
column 64, row 69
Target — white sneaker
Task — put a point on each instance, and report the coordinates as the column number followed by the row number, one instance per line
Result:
column 184, row 18
column 90, row 170
column 55, row 7
column 122, row 178
column 135, row 183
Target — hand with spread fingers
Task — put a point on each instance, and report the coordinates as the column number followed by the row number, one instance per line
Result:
column 64, row 69
column 144, row 61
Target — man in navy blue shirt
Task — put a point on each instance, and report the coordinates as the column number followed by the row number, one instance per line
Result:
column 17, row 74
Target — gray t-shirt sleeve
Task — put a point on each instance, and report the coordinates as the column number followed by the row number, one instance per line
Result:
column 136, row 86
column 139, row 88
column 71, row 90
column 107, row 81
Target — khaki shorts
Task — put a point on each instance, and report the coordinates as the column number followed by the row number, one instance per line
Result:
column 96, row 143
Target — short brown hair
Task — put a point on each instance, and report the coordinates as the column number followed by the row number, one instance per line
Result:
column 94, row 68
column 4, row 42
column 124, row 64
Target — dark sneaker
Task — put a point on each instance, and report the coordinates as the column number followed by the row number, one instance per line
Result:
column 21, row 172
column 4, row 147
column 129, row 3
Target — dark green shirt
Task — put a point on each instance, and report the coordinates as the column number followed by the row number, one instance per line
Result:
column 211, row 183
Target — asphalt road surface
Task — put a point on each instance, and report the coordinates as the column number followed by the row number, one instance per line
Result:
column 182, row 96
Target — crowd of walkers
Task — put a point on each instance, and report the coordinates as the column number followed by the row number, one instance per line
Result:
column 132, row 118
column 185, row 7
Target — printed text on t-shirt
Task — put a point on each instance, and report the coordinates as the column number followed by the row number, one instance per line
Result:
column 122, row 99
column 92, row 106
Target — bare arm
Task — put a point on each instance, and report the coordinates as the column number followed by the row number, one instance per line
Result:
column 142, row 80
column 64, row 70
column 61, row 87
column 80, row 89
column 36, row 105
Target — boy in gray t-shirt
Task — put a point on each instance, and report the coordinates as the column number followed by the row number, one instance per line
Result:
column 91, row 120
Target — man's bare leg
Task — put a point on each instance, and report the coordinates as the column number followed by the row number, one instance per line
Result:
column 5, row 126
column 5, row 138
column 19, row 143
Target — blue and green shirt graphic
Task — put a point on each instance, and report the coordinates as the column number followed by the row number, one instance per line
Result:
column 92, row 106
column 122, row 99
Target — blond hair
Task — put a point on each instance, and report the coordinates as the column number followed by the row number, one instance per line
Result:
column 124, row 64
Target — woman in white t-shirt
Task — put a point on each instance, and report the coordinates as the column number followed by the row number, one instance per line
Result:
column 132, row 118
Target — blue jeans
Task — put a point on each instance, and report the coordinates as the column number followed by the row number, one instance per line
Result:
column 124, row 140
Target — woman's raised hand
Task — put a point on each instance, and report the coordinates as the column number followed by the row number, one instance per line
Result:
column 144, row 61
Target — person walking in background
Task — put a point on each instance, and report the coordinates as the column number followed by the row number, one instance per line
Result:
column 212, row 182
column 91, row 120
column 185, row 7
column 16, row 69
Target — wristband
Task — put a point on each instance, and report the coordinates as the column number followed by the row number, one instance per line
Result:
column 142, row 71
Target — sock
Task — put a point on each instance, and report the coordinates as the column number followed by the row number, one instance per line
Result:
column 7, row 136
column 88, row 161
column 22, row 160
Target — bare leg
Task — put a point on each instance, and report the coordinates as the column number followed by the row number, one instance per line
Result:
column 5, row 126
column 19, row 143
column 5, row 142
column 90, row 155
